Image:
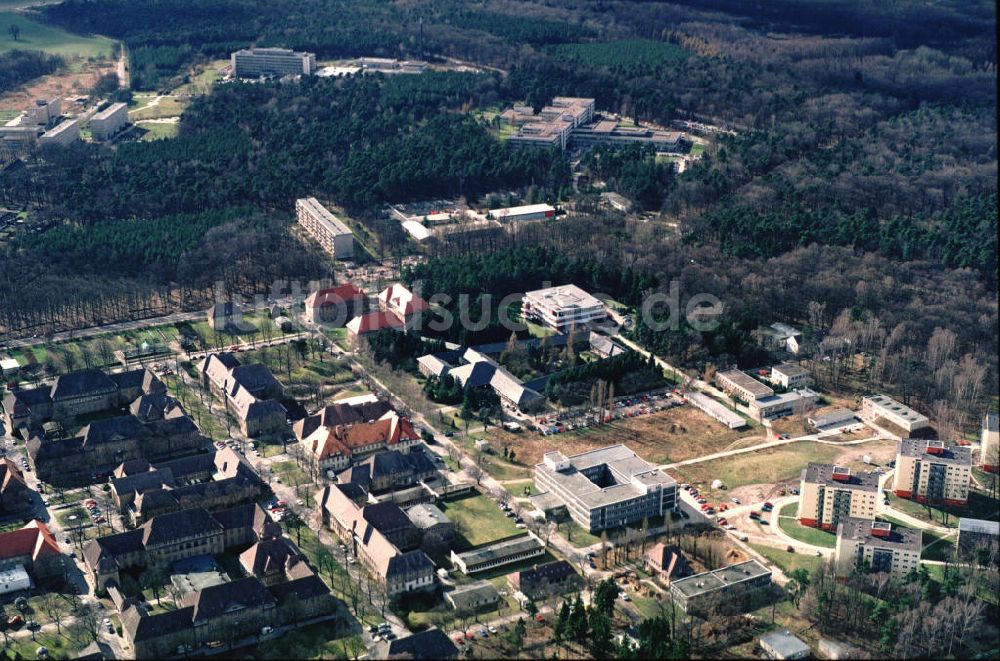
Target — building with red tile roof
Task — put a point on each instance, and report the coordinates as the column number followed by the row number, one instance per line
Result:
column 335, row 305
column 32, row 547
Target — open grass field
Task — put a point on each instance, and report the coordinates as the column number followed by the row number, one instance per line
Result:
column 576, row 535
column 39, row 36
column 289, row 472
column 479, row 520
column 980, row 507
column 158, row 130
column 795, row 530
column 310, row 642
column 772, row 466
column 668, row 436
column 786, row 561
column 158, row 107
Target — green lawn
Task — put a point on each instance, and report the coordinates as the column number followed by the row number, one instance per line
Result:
column 794, row 529
column 479, row 520
column 158, row 130
column 763, row 466
column 310, row 642
column 290, row 472
column 697, row 149
column 938, row 515
column 576, row 535
column 788, row 562
column 936, row 546
column 38, row 36
column 167, row 106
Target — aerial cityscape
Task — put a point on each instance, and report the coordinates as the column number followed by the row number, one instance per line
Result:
column 498, row 330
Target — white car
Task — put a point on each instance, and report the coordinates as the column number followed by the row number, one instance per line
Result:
column 300, row 502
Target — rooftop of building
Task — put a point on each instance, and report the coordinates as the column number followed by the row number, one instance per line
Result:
column 746, row 382
column 785, row 645
column 980, row 526
column 626, row 476
column 564, row 296
column 790, row 370
column 880, row 533
column 330, row 222
column 426, row 515
column 716, row 579
column 935, row 451
column 502, row 549
column 847, row 479
column 110, row 110
column 890, row 405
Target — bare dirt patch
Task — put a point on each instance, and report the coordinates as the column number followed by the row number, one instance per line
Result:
column 664, row 437
column 75, row 82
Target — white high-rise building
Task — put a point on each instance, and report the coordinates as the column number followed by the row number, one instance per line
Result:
column 256, row 62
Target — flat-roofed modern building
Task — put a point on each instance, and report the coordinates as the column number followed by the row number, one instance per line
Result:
column 790, row 375
column 561, row 307
column 742, row 386
column 829, row 494
column 930, row 471
column 878, row 545
column 715, row 409
column 778, row 406
column 527, row 212
column 501, row 553
column 256, row 62
column 832, row 418
column 883, row 407
column 109, row 121
column 976, row 536
column 328, row 230
column 989, row 448
column 607, row 488
column 63, row 134
column 728, row 586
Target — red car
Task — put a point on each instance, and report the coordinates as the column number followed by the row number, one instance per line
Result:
column 468, row 634
column 539, row 618
column 723, row 521
column 459, row 640
column 769, row 504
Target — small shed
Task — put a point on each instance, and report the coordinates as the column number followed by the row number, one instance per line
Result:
column 783, row 645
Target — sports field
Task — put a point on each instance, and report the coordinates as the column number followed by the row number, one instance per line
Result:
column 38, row 36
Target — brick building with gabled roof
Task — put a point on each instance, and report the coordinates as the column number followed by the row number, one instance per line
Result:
column 335, row 305
column 34, row 548
column 16, row 497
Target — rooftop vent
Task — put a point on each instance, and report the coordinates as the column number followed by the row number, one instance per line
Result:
column 881, row 529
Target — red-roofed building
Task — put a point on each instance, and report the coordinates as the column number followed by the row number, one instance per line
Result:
column 339, row 446
column 32, row 547
column 335, row 305
column 401, row 302
column 372, row 322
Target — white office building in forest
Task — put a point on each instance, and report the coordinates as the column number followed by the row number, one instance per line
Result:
column 256, row 62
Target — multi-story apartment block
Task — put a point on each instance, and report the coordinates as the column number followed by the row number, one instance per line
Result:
column 989, row 448
column 561, row 308
column 63, row 134
column 329, row 231
column 930, row 471
column 109, row 121
column 829, row 494
column 256, row 62
column 742, row 386
column 607, row 488
column 878, row 408
column 877, row 545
